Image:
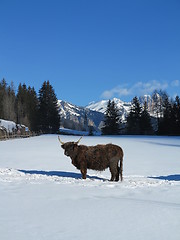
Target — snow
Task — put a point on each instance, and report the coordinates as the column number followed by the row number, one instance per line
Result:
column 9, row 125
column 98, row 106
column 102, row 105
column 43, row 196
column 68, row 108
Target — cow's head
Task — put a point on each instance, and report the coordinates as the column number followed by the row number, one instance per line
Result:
column 69, row 147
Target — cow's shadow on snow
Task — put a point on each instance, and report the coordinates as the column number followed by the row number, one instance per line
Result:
column 175, row 177
column 60, row 174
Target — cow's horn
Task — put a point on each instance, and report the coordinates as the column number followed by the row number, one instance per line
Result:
column 79, row 140
column 60, row 140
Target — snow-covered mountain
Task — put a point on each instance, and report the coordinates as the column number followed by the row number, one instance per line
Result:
column 79, row 118
column 124, row 107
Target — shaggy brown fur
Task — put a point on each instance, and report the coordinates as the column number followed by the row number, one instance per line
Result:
column 97, row 157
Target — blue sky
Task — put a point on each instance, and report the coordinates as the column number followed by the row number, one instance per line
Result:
column 92, row 49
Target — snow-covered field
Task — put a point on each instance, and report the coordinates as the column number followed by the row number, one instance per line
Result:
column 43, row 196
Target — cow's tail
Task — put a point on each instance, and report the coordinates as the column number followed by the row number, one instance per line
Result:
column 121, row 168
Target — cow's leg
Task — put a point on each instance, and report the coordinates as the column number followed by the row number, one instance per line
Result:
column 111, row 175
column 113, row 171
column 117, row 174
column 121, row 168
column 83, row 172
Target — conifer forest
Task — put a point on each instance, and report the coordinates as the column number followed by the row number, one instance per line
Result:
column 38, row 112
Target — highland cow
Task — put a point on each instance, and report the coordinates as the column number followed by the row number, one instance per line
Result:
column 97, row 157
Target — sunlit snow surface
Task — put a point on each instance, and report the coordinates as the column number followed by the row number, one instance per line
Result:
column 44, row 197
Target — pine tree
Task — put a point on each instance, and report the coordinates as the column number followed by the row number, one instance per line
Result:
column 145, row 121
column 166, row 122
column 176, row 116
column 32, row 108
column 7, row 101
column 11, row 103
column 133, row 119
column 3, row 87
column 111, row 121
column 170, row 122
column 21, row 105
column 48, row 109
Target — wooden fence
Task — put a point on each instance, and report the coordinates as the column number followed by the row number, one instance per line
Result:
column 7, row 136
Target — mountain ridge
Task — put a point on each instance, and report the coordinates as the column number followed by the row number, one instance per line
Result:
column 92, row 115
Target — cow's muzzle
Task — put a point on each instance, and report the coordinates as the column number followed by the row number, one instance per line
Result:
column 66, row 153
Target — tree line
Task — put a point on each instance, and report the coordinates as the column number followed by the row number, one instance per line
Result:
column 164, row 118
column 38, row 112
